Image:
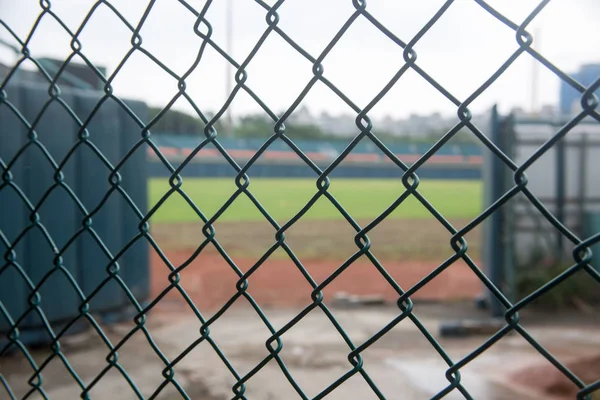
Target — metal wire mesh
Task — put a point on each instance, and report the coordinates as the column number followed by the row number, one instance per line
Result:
column 410, row 179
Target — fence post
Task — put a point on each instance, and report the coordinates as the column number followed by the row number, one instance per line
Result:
column 582, row 182
column 560, row 193
column 493, row 186
column 507, row 226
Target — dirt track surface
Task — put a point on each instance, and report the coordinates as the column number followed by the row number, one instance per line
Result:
column 210, row 281
column 408, row 249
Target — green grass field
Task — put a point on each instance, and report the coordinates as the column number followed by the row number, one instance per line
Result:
column 282, row 198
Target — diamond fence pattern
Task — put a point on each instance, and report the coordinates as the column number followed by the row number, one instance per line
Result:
column 410, row 179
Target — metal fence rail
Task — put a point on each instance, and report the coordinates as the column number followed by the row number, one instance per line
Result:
column 410, row 178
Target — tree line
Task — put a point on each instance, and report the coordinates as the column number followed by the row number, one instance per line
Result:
column 256, row 126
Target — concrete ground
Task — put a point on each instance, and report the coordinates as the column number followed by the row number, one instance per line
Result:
column 402, row 363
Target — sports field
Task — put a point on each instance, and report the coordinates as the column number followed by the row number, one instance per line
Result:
column 283, row 198
column 410, row 242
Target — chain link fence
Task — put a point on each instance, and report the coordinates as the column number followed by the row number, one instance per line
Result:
column 14, row 342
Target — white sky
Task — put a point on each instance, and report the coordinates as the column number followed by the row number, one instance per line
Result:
column 461, row 51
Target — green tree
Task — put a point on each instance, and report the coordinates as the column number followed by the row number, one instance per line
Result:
column 253, row 126
column 178, row 123
column 256, row 126
column 306, row 132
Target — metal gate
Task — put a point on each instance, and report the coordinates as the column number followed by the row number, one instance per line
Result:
column 520, row 240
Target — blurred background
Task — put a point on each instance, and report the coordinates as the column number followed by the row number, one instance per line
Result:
column 227, row 73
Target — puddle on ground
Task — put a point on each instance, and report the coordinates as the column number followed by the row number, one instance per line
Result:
column 429, row 377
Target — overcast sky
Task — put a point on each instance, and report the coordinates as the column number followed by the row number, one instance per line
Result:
column 462, row 50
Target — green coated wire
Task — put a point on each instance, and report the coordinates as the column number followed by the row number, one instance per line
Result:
column 275, row 343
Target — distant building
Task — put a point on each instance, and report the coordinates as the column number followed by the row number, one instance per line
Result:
column 338, row 125
column 570, row 99
column 546, row 112
column 414, row 126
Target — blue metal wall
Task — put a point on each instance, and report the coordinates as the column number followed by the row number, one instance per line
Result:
column 113, row 132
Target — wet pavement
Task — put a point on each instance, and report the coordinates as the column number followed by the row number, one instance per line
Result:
column 402, row 364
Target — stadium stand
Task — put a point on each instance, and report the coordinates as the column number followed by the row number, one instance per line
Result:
column 454, row 161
